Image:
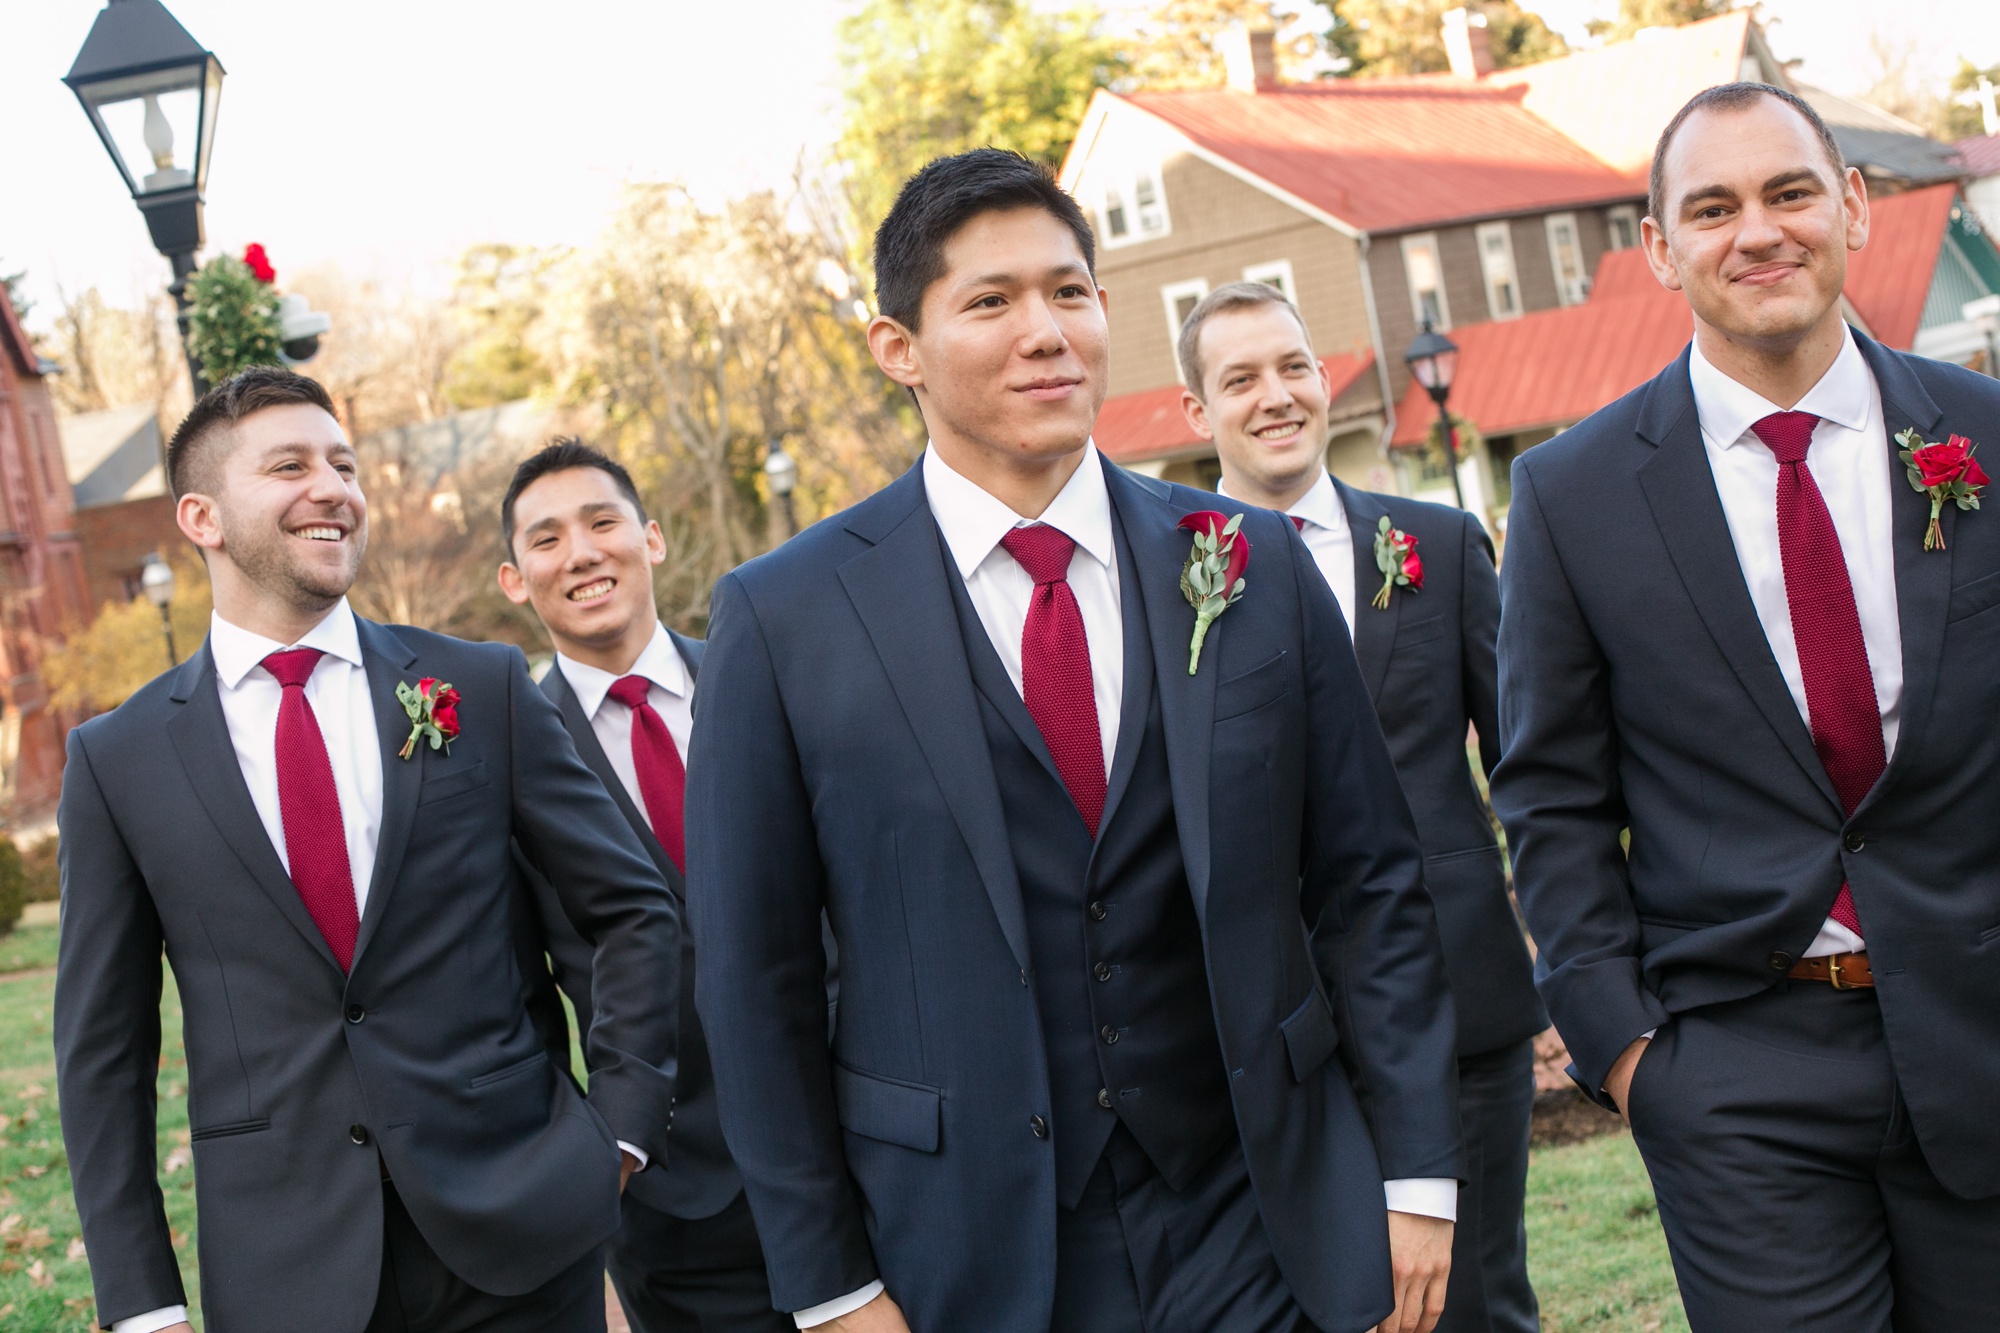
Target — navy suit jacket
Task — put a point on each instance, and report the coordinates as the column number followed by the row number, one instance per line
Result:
column 1428, row 660
column 839, row 762
column 1638, row 692
column 299, row 1075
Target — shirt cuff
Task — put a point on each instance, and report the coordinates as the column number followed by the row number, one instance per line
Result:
column 637, row 1152
column 1426, row 1197
column 847, row 1304
column 153, row 1320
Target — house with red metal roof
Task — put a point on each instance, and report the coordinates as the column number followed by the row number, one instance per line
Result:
column 1485, row 201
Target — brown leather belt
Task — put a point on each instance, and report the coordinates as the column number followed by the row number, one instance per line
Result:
column 1843, row 971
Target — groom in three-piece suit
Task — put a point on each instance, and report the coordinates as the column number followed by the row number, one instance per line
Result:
column 1142, row 997
column 1726, row 638
column 380, row 1138
column 1255, row 388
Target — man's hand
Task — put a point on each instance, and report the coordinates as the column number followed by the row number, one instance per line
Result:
column 1618, row 1083
column 178, row 1328
column 880, row 1315
column 1420, row 1257
column 627, row 1164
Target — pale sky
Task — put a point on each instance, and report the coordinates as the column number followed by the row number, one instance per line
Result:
column 386, row 135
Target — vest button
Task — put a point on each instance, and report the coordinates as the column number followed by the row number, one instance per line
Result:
column 358, row 1134
column 1780, row 961
column 1855, row 842
column 1104, row 1098
column 1038, row 1126
column 1102, row 971
column 1098, row 911
column 355, row 1013
column 1109, row 1033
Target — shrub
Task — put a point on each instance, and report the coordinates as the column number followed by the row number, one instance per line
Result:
column 43, row 881
column 13, row 885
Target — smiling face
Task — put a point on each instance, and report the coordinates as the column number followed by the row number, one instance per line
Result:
column 1263, row 403
column 287, row 524
column 1758, row 224
column 1009, row 365
column 584, row 559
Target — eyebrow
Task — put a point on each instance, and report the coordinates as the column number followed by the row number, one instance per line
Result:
column 1295, row 354
column 1070, row 268
column 590, row 510
column 1777, row 182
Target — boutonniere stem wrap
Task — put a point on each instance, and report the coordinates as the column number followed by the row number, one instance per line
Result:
column 1212, row 578
column 1947, row 472
column 1396, row 556
column 433, row 709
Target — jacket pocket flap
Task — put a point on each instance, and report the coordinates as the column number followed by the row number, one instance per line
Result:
column 1415, row 632
column 1253, row 689
column 905, row 1114
column 452, row 784
column 1969, row 599
column 1310, row 1036
column 257, row 1126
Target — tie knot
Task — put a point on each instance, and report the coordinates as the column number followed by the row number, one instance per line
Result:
column 294, row 666
column 1041, row 550
column 1298, row 522
column 1788, row 434
column 631, row 690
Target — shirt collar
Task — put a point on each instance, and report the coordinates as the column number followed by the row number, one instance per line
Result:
column 1728, row 410
column 236, row 650
column 973, row 521
column 1320, row 506
column 659, row 662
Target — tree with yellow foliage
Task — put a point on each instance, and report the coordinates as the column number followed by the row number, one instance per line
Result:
column 103, row 666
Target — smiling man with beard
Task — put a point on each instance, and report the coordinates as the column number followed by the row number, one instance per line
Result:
column 318, row 838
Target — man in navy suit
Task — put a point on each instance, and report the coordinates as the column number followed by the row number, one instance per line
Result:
column 326, row 858
column 582, row 553
column 1426, row 648
column 1750, row 772
column 1142, row 997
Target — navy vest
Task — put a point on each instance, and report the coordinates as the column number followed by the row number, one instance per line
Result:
column 1115, row 948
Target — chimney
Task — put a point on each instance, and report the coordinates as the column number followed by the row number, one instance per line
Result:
column 1465, row 42
column 1250, row 57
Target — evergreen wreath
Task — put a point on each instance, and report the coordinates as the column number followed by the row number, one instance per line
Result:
column 232, row 317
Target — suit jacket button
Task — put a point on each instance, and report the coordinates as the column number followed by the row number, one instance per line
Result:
column 1855, row 842
column 1781, row 961
column 1109, row 1033
column 1039, row 1126
column 355, row 1013
column 1102, row 971
column 1104, row 1098
column 1098, row 911
column 359, row 1134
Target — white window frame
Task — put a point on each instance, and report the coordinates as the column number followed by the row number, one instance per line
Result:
column 1511, row 273
column 1126, row 185
column 1278, row 273
column 1426, row 241
column 1573, row 290
column 1170, row 296
column 1625, row 213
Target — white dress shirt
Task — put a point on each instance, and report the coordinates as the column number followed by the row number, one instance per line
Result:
column 1328, row 535
column 338, row 693
column 1852, row 465
column 670, row 693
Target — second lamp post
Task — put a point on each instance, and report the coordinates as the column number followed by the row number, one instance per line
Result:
column 1433, row 359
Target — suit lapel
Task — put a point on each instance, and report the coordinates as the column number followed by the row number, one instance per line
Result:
column 1374, row 631
column 1680, row 489
column 1187, row 703
column 387, row 659
column 1136, row 696
column 557, row 687
column 200, row 736
column 1923, row 578
column 899, row 589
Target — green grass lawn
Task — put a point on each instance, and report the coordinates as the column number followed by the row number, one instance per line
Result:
column 1594, row 1244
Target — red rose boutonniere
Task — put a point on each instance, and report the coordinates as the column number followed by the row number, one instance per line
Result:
column 259, row 263
column 1945, row 472
column 433, row 709
column 1212, row 578
column 1396, row 556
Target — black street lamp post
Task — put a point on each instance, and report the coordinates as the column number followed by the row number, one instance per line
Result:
column 1433, row 359
column 151, row 92
column 156, row 580
column 781, row 474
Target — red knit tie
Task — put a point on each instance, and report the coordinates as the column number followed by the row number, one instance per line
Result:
column 1298, row 522
column 662, row 776
column 309, row 807
column 1055, row 668
column 1833, row 657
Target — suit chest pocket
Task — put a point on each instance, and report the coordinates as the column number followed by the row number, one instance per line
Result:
column 1254, row 689
column 447, row 785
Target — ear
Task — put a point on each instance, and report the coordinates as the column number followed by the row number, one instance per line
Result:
column 512, row 585
column 1855, row 201
column 895, row 351
column 200, row 520
column 1196, row 413
column 656, row 543
column 1659, row 255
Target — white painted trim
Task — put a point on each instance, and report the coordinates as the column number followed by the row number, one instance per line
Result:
column 1427, row 240
column 1622, row 210
column 1563, row 296
column 1281, row 269
column 1250, row 178
column 1505, row 231
column 1169, row 295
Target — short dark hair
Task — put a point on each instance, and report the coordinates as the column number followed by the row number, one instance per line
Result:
column 1730, row 97
column 1230, row 296
column 561, row 455
column 192, row 454
column 939, row 200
